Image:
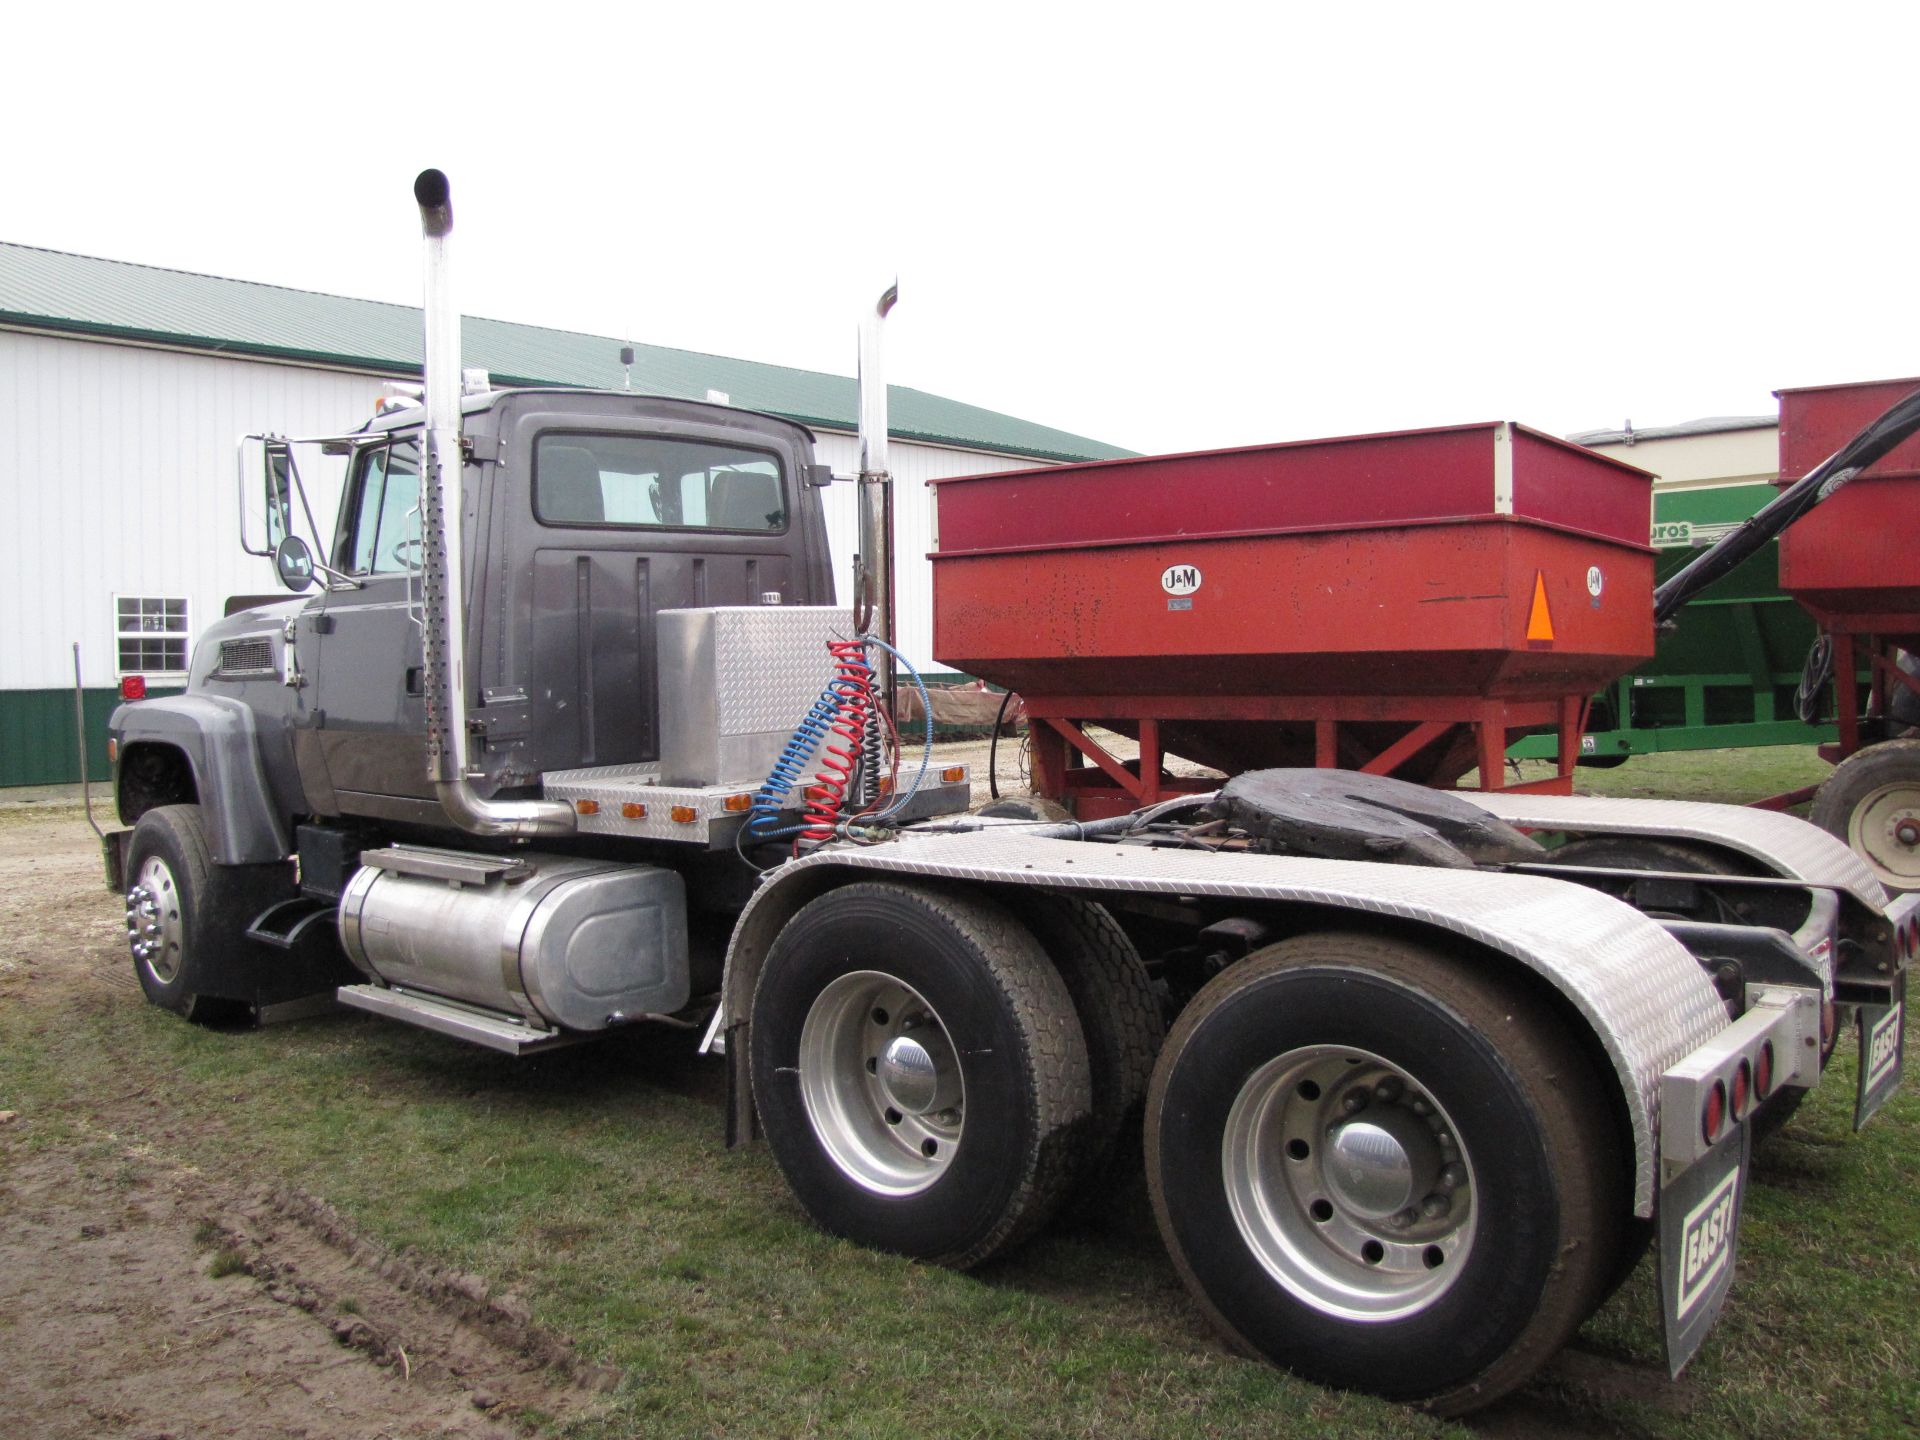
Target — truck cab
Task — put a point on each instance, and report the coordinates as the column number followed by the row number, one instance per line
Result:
column 584, row 514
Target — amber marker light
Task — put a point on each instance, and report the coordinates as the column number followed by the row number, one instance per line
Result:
column 737, row 804
column 953, row 774
column 683, row 814
column 587, row 807
column 632, row 811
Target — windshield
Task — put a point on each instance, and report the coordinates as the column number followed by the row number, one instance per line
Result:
column 385, row 534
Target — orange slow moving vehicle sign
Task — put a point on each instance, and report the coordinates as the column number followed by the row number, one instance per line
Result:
column 1540, row 617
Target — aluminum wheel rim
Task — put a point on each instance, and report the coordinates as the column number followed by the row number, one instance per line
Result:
column 1875, row 831
column 155, row 931
column 881, row 1082
column 1308, row 1162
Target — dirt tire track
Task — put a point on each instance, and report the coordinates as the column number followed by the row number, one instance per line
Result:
column 142, row 1296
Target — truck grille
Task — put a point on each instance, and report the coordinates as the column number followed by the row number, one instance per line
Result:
column 251, row 656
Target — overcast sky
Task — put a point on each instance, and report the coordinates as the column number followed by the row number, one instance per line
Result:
column 1166, row 227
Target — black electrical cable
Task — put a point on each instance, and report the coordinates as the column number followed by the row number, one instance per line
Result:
column 993, row 747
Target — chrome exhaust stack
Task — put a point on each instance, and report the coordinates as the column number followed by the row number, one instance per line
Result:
column 873, row 600
column 443, row 564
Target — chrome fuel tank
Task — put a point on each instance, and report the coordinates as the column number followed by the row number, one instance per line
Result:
column 578, row 944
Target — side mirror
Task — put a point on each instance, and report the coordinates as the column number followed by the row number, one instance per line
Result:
column 293, row 563
column 277, row 484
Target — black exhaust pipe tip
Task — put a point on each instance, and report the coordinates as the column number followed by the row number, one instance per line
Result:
column 435, row 198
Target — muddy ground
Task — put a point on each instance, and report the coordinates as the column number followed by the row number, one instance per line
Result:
column 144, row 1293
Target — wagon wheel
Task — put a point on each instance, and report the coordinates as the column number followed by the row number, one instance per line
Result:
column 1872, row 801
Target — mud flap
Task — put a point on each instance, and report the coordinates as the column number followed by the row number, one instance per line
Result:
column 1883, row 1049
column 1700, row 1213
column 113, row 855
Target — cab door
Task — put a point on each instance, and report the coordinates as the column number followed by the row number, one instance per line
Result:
column 368, row 710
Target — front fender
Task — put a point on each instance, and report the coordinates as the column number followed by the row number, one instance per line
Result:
column 216, row 735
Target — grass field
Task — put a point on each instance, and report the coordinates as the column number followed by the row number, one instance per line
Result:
column 594, row 1182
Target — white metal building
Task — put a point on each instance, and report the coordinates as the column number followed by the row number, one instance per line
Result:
column 123, row 389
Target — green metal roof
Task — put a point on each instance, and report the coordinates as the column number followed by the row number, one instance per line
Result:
column 80, row 294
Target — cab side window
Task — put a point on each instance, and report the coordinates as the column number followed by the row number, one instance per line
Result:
column 383, row 536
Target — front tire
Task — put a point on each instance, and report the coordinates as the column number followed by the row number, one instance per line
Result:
column 187, row 917
column 1383, row 1169
column 919, row 1070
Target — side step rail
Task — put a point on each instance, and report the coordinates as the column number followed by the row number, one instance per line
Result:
column 285, row 924
column 504, row 1033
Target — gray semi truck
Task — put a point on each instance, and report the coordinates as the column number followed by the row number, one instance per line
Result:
column 562, row 731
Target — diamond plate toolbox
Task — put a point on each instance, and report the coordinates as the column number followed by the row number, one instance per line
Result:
column 734, row 680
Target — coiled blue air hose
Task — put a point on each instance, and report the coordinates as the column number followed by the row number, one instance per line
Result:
column 790, row 768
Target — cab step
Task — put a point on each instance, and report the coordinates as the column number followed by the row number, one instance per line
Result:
column 285, row 924
column 449, row 1017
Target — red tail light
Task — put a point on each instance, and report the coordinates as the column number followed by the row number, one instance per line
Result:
column 1763, row 1072
column 133, row 687
column 1742, row 1089
column 1713, row 1115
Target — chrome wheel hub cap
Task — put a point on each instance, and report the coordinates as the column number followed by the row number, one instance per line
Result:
column 155, row 931
column 1382, row 1163
column 1348, row 1183
column 918, row 1071
column 881, row 1083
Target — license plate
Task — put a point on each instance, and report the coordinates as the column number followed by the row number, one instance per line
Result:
column 1883, row 1047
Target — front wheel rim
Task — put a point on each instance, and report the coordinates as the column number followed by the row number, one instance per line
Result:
column 156, row 933
column 1349, row 1183
column 880, row 1080
column 1884, row 830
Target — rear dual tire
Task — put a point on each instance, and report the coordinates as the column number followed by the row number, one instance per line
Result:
column 920, row 1072
column 1439, row 1256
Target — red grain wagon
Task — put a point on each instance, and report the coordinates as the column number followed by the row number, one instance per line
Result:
column 1401, row 604
column 1853, row 565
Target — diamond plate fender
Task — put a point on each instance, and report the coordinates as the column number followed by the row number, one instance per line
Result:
column 1641, row 992
column 1785, row 844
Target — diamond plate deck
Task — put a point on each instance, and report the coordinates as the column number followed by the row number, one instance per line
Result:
column 618, row 790
column 1785, row 844
column 1639, row 989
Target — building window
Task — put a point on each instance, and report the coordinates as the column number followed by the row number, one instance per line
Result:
column 150, row 634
